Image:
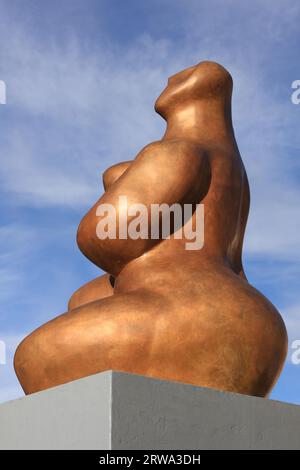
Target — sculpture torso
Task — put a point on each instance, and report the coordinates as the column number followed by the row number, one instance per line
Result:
column 172, row 313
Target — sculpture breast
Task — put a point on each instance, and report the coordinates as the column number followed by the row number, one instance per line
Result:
column 163, row 310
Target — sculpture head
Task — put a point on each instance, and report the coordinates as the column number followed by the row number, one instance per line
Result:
column 204, row 81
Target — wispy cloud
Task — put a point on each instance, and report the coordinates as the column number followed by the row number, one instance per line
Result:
column 86, row 111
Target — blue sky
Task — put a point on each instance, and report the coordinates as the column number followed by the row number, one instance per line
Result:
column 82, row 77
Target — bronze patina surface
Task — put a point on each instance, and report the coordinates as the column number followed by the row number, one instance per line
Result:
column 162, row 310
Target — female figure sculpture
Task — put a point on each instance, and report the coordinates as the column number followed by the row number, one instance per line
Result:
column 162, row 310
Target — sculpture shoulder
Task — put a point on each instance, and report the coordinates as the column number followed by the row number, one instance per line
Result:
column 170, row 164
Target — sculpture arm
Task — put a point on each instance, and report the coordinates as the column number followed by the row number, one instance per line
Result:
column 163, row 172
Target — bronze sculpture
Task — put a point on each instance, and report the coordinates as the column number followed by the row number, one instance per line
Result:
column 161, row 310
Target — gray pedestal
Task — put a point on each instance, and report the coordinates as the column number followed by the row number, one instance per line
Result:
column 114, row 410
